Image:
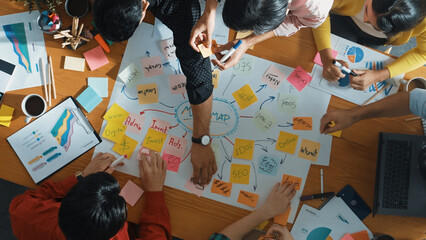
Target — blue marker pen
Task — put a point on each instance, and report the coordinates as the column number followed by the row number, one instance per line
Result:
column 229, row 53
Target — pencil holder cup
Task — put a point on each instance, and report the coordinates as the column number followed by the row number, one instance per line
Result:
column 49, row 22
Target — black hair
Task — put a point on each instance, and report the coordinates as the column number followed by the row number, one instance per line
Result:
column 93, row 209
column 260, row 16
column 117, row 20
column 394, row 16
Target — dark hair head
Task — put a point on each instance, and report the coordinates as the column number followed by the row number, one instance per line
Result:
column 117, row 20
column 260, row 16
column 394, row 16
column 92, row 209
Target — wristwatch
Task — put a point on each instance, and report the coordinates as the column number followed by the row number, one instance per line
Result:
column 203, row 140
column 79, row 175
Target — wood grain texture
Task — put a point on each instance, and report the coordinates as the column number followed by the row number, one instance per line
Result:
column 353, row 157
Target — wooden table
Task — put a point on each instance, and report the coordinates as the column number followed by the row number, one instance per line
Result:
column 353, row 157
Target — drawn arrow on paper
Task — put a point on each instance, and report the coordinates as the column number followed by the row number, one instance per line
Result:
column 230, row 81
column 183, row 136
column 271, row 98
column 283, row 159
column 290, row 89
column 272, row 141
column 264, row 148
column 255, row 176
column 220, row 176
column 125, row 94
column 226, row 153
column 147, row 53
column 154, row 110
column 171, row 127
column 165, row 105
column 288, row 125
column 261, row 87
column 167, row 64
column 232, row 102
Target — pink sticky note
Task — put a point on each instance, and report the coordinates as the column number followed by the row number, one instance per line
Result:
column 273, row 77
column 317, row 58
column 95, row 58
column 160, row 125
column 347, row 237
column 134, row 123
column 152, row 66
column 168, row 48
column 173, row 162
column 194, row 188
column 177, row 84
column 175, row 146
column 131, row 193
column 299, row 78
column 142, row 150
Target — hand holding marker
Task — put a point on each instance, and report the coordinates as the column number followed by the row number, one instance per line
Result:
column 344, row 69
column 229, row 53
column 116, row 162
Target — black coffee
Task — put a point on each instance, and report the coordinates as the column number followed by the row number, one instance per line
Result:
column 34, row 105
column 77, row 8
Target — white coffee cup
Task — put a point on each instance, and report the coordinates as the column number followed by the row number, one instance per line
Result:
column 33, row 106
column 413, row 83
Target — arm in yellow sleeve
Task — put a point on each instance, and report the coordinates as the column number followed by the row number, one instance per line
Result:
column 322, row 35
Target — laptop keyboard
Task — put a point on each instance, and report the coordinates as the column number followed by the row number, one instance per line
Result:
column 397, row 174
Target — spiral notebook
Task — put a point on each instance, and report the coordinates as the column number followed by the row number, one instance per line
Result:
column 54, row 140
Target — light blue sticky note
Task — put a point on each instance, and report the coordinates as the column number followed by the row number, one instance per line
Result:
column 268, row 165
column 100, row 85
column 89, row 99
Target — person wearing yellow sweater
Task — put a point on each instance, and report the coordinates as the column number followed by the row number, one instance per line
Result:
column 373, row 23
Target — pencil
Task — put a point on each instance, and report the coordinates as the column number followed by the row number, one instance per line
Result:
column 50, row 85
column 53, row 77
column 412, row 119
column 322, row 182
column 43, row 71
column 377, row 93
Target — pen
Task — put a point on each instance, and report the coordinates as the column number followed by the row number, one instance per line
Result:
column 314, row 196
column 119, row 160
column 322, row 183
column 344, row 69
column 229, row 53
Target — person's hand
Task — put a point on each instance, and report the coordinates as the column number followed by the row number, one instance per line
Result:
column 202, row 31
column 367, row 77
column 343, row 118
column 153, row 173
column 281, row 231
column 100, row 163
column 278, row 201
column 203, row 163
column 235, row 57
column 330, row 72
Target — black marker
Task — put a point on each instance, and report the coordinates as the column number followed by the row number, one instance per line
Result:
column 321, row 195
column 344, row 69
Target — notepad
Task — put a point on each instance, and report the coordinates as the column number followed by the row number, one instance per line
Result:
column 100, row 85
column 131, row 193
column 6, row 114
column 95, row 58
column 74, row 63
column 89, row 99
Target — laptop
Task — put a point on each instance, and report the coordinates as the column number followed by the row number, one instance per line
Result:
column 401, row 175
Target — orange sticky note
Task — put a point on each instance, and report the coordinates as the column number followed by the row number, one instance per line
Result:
column 287, row 142
column 206, row 52
column 248, row 198
column 154, row 140
column 243, row 149
column 245, row 96
column 125, row 146
column 114, row 131
column 148, row 93
column 221, row 187
column 240, row 173
column 309, row 150
column 215, row 77
column 363, row 235
column 282, row 219
column 302, row 123
column 297, row 181
column 347, row 236
column 116, row 114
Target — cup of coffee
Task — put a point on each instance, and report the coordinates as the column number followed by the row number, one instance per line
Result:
column 33, row 106
column 417, row 82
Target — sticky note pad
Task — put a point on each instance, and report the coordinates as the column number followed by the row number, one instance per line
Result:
column 134, row 123
column 131, row 193
column 177, row 84
column 240, row 173
column 95, row 58
column 215, row 78
column 299, row 78
column 337, row 133
column 205, row 51
column 264, row 120
column 130, row 75
column 89, row 99
column 262, row 225
column 148, row 93
column 114, row 131
column 154, row 140
column 297, row 181
column 152, row 66
column 268, row 165
column 99, row 84
column 248, row 198
column 173, row 162
column 159, row 125
column 6, row 114
column 287, row 103
column 309, row 150
column 221, row 188
column 116, row 114
column 273, row 77
column 194, row 188
column 317, row 58
column 168, row 48
column 282, row 219
column 287, row 142
column 347, row 236
column 245, row 96
column 175, row 146
column 363, row 235
column 243, row 149
column 74, row 63
column 302, row 123
column 125, row 146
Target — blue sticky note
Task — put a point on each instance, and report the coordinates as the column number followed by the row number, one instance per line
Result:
column 268, row 165
column 89, row 99
column 100, row 85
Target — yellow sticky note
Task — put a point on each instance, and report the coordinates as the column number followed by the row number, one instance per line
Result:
column 287, row 142
column 241, row 35
column 154, row 140
column 337, row 133
column 116, row 114
column 240, row 173
column 245, row 96
column 297, row 181
column 282, row 219
column 114, row 131
column 215, row 78
column 309, row 150
column 125, row 146
column 6, row 114
column 243, row 149
column 262, row 225
column 148, row 93
column 248, row 198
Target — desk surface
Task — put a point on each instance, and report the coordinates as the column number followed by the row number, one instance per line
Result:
column 353, row 157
